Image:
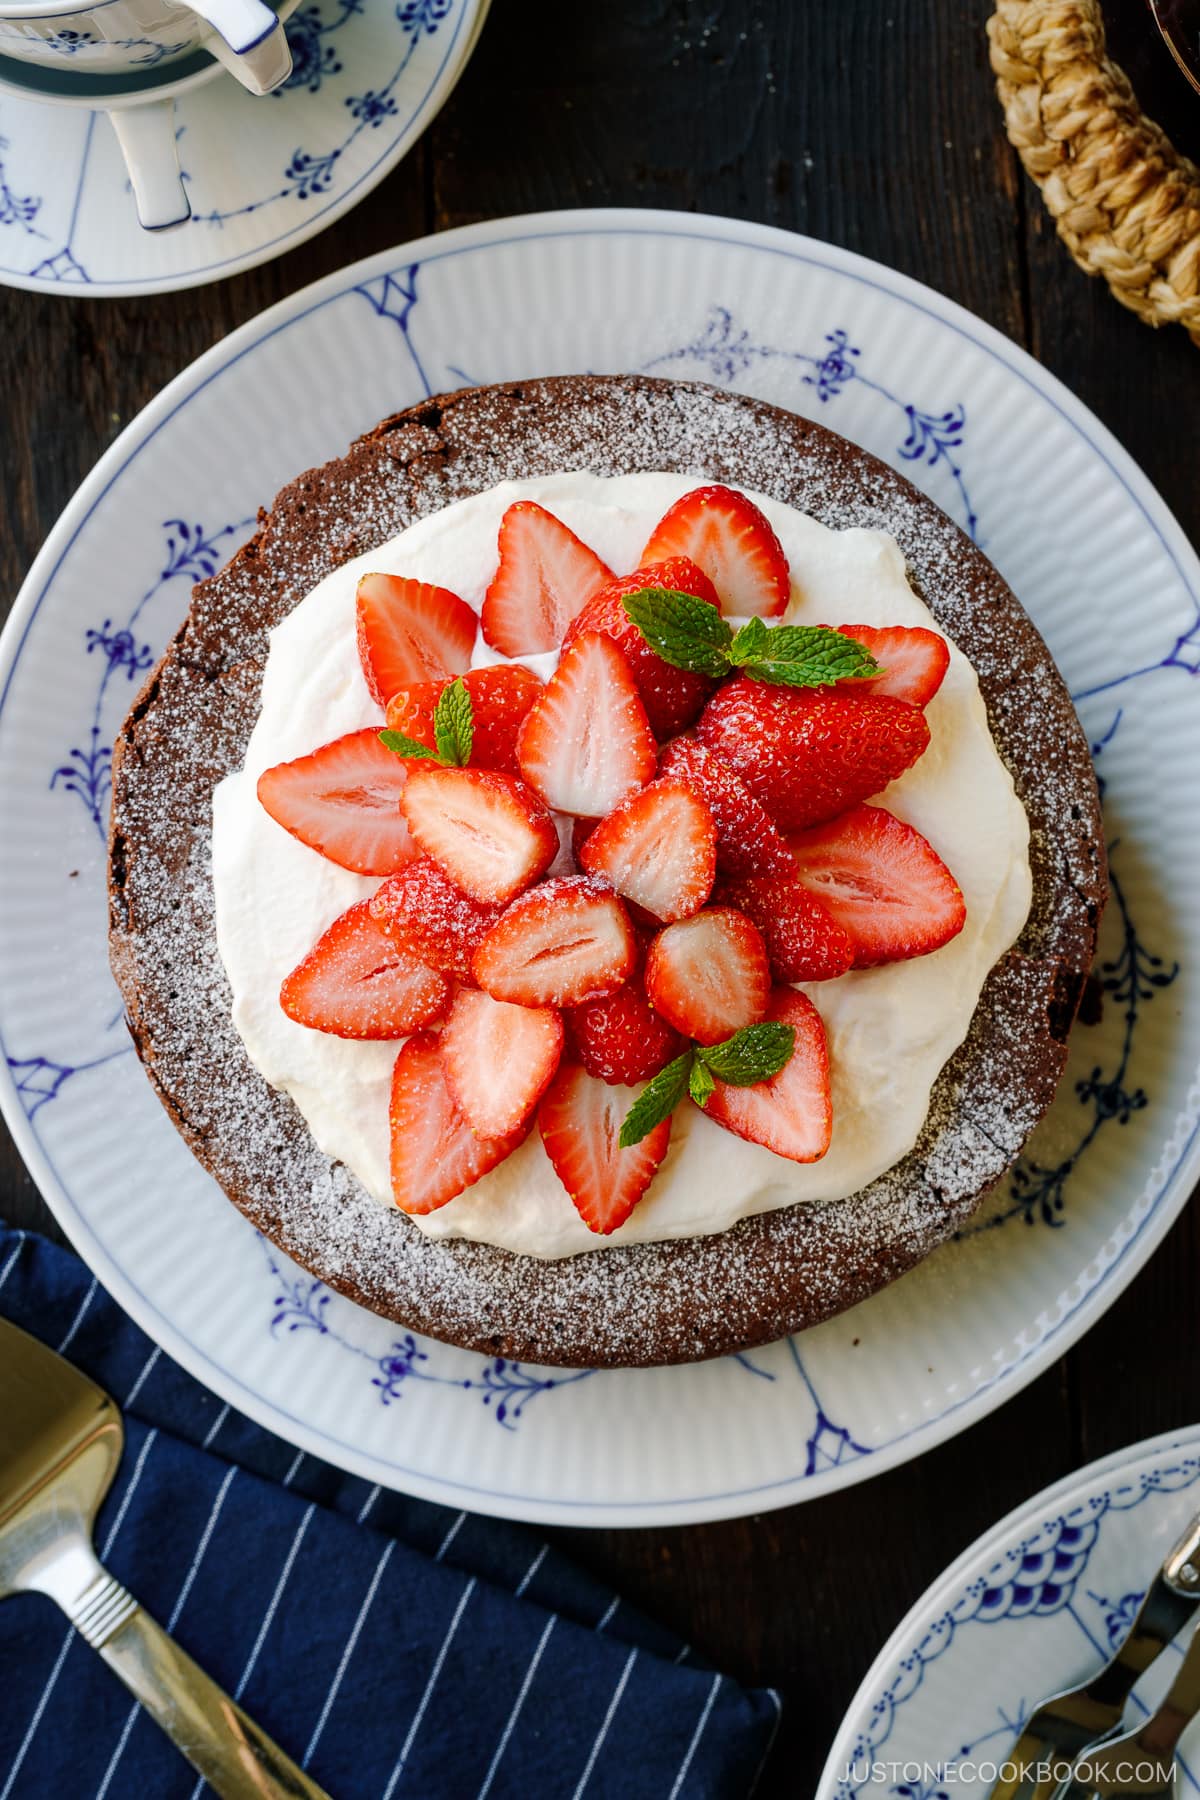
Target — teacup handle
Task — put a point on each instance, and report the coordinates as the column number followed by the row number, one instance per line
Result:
column 250, row 41
column 146, row 135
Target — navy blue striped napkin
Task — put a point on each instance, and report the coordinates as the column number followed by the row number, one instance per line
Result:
column 394, row 1647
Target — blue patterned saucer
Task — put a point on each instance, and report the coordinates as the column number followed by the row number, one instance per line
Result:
column 263, row 173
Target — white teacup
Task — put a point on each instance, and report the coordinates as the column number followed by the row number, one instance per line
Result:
column 122, row 37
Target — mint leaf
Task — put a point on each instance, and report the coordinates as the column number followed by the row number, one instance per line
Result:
column 753, row 1054
column 686, row 632
column 454, row 725
column 799, row 655
column 657, row 1101
column 700, row 1083
column 405, row 746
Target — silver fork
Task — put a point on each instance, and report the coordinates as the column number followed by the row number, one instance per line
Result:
column 1065, row 1725
column 1140, row 1764
column 60, row 1442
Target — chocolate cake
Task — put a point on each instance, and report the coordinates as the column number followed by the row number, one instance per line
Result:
column 633, row 1305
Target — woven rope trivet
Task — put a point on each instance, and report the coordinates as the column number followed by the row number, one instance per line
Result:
column 1126, row 203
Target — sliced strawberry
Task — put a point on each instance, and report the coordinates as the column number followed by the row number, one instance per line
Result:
column 357, row 982
column 883, row 883
column 421, row 908
column 580, row 1121
column 914, row 660
column 621, row 1039
column 748, row 840
column 435, row 1154
column 792, row 1113
column 545, row 574
column 563, row 942
column 658, row 849
column 410, row 631
column 499, row 1059
column 708, row 975
column 501, row 695
column 490, row 833
column 581, row 831
column 672, row 697
column 586, row 743
column 809, row 753
column 344, row 801
column 728, row 537
column 804, row 942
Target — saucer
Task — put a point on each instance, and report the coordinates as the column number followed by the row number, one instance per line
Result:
column 263, row 172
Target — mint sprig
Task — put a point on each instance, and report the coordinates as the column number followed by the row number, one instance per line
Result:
column 753, row 1054
column 453, row 731
column 691, row 634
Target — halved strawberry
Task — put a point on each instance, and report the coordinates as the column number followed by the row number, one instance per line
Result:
column 580, row 1121
column 562, row 942
column 357, row 982
column 499, row 1059
column 658, row 849
column 490, row 833
column 435, row 1154
column 620, row 1038
column 501, row 694
column 792, row 1113
column 809, row 753
column 883, row 882
column 708, row 975
column 581, row 831
column 343, row 800
column 545, row 574
column 748, row 840
column 410, row 631
column 804, row 942
column 914, row 660
column 672, row 697
column 729, row 538
column 421, row 908
column 586, row 743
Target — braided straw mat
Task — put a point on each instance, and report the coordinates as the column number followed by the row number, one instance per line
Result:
column 1126, row 203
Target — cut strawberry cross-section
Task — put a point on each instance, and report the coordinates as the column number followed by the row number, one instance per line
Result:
column 883, row 882
column 748, row 840
column 344, row 801
column 586, row 743
column 500, row 696
column 620, row 1038
column 914, row 660
column 544, row 576
column 499, row 1059
column 357, row 982
column 708, row 975
column 490, row 833
column 410, row 631
column 804, row 942
column 791, row 1113
column 580, row 1122
column 728, row 537
column 658, row 849
column 672, row 697
column 566, row 941
column 809, row 753
column 435, row 1154
column 422, row 908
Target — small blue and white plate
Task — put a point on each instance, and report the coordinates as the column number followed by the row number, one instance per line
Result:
column 1035, row 1606
column 1087, row 544
column 263, row 172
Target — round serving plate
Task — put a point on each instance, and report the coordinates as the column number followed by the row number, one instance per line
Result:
column 263, row 172
column 1087, row 544
column 1035, row 1606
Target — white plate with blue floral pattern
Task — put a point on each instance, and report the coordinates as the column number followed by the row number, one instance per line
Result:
column 263, row 173
column 1036, row 1605
column 1087, row 544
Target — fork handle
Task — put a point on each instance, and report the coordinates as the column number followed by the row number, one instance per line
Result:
column 233, row 1754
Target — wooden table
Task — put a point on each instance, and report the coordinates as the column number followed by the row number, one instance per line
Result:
column 871, row 123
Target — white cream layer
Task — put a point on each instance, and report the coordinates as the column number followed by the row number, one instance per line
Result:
column 890, row 1029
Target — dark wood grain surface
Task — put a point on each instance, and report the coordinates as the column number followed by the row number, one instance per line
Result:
column 871, row 123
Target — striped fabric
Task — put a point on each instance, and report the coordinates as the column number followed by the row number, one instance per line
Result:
column 395, row 1647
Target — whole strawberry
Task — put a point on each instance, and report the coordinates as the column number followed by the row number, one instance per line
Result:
column 809, row 753
column 672, row 697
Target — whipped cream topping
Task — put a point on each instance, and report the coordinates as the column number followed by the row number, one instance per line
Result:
column 890, row 1029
